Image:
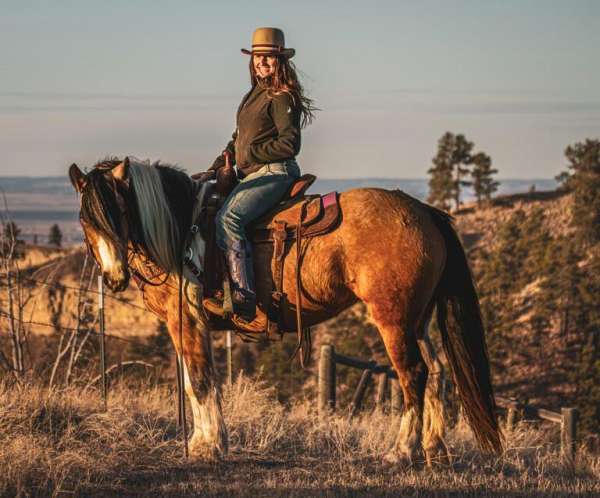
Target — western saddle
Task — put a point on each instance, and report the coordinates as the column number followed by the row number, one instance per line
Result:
column 296, row 218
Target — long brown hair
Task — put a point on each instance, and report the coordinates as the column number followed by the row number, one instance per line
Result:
column 285, row 80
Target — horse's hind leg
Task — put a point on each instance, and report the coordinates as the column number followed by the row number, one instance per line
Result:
column 433, row 412
column 401, row 345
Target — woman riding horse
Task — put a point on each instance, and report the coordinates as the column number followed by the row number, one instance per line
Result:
column 401, row 258
column 264, row 146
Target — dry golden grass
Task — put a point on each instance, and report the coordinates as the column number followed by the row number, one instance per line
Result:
column 60, row 443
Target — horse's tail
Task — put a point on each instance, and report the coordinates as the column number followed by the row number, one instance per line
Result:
column 461, row 326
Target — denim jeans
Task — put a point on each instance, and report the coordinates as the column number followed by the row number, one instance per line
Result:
column 250, row 199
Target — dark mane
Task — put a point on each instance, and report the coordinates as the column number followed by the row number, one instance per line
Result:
column 99, row 207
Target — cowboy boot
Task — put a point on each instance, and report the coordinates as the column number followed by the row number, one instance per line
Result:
column 246, row 316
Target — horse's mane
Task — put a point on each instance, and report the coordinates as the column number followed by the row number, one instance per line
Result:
column 159, row 204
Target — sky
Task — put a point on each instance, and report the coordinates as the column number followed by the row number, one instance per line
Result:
column 82, row 80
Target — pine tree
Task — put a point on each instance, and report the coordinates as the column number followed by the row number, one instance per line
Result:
column 450, row 167
column 461, row 161
column 11, row 241
column 440, row 181
column 583, row 180
column 55, row 236
column 499, row 277
column 483, row 183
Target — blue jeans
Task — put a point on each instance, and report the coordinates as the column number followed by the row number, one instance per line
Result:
column 250, row 199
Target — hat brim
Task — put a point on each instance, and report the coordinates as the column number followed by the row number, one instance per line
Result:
column 286, row 52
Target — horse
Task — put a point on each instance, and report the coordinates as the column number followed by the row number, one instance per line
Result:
column 402, row 258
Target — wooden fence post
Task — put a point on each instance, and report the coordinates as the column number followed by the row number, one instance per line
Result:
column 326, row 381
column 568, row 434
column 511, row 414
column 359, row 394
column 382, row 382
column 396, row 398
column 511, row 417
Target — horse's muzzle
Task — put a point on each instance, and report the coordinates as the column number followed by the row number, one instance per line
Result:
column 116, row 284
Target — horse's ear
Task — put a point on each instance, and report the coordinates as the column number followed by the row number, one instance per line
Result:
column 121, row 170
column 77, row 177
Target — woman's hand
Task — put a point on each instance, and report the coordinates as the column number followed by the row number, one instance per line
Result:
column 211, row 174
column 205, row 176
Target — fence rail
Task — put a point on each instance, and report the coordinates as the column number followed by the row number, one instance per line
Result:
column 388, row 378
column 329, row 359
column 567, row 419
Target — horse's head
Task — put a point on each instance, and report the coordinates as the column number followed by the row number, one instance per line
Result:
column 103, row 216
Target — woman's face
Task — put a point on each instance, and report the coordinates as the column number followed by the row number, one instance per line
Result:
column 264, row 65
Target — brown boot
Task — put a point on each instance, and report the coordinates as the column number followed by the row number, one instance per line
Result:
column 214, row 306
column 257, row 325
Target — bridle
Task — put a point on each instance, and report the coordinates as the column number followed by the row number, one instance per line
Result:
column 132, row 254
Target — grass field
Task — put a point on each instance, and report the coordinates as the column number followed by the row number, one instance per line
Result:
column 60, row 443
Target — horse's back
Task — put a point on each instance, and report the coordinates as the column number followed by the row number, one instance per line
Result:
column 387, row 209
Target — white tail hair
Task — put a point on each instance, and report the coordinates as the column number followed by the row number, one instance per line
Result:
column 159, row 230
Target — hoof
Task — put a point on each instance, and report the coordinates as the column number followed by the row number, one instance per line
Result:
column 396, row 459
column 206, row 452
column 437, row 455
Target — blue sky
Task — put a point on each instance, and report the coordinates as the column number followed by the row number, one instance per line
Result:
column 82, row 80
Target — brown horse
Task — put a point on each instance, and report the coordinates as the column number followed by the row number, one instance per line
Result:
column 399, row 256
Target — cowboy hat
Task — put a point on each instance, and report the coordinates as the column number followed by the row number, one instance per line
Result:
column 269, row 41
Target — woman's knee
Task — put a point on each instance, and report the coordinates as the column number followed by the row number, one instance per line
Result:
column 228, row 227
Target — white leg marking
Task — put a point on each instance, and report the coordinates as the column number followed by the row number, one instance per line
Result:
column 210, row 435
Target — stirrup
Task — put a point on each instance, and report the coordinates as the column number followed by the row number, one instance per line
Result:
column 214, row 306
column 257, row 325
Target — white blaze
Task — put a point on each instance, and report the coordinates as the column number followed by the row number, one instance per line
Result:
column 107, row 255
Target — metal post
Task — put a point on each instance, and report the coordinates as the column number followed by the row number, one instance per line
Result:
column 568, row 434
column 396, row 400
column 229, row 358
column 102, row 350
column 181, row 395
column 327, row 381
column 359, row 394
column 382, row 382
column 180, row 360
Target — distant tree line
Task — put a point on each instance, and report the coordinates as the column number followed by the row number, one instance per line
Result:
column 11, row 232
column 456, row 166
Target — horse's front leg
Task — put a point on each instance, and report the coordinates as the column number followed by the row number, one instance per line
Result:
column 209, row 439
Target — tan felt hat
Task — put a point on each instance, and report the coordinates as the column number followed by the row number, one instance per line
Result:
column 269, row 41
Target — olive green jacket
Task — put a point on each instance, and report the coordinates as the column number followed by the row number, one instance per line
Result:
column 268, row 130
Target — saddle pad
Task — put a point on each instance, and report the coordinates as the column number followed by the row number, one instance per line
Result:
column 291, row 215
column 322, row 216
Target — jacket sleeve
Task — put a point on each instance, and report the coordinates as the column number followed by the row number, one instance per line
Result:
column 230, row 147
column 286, row 117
